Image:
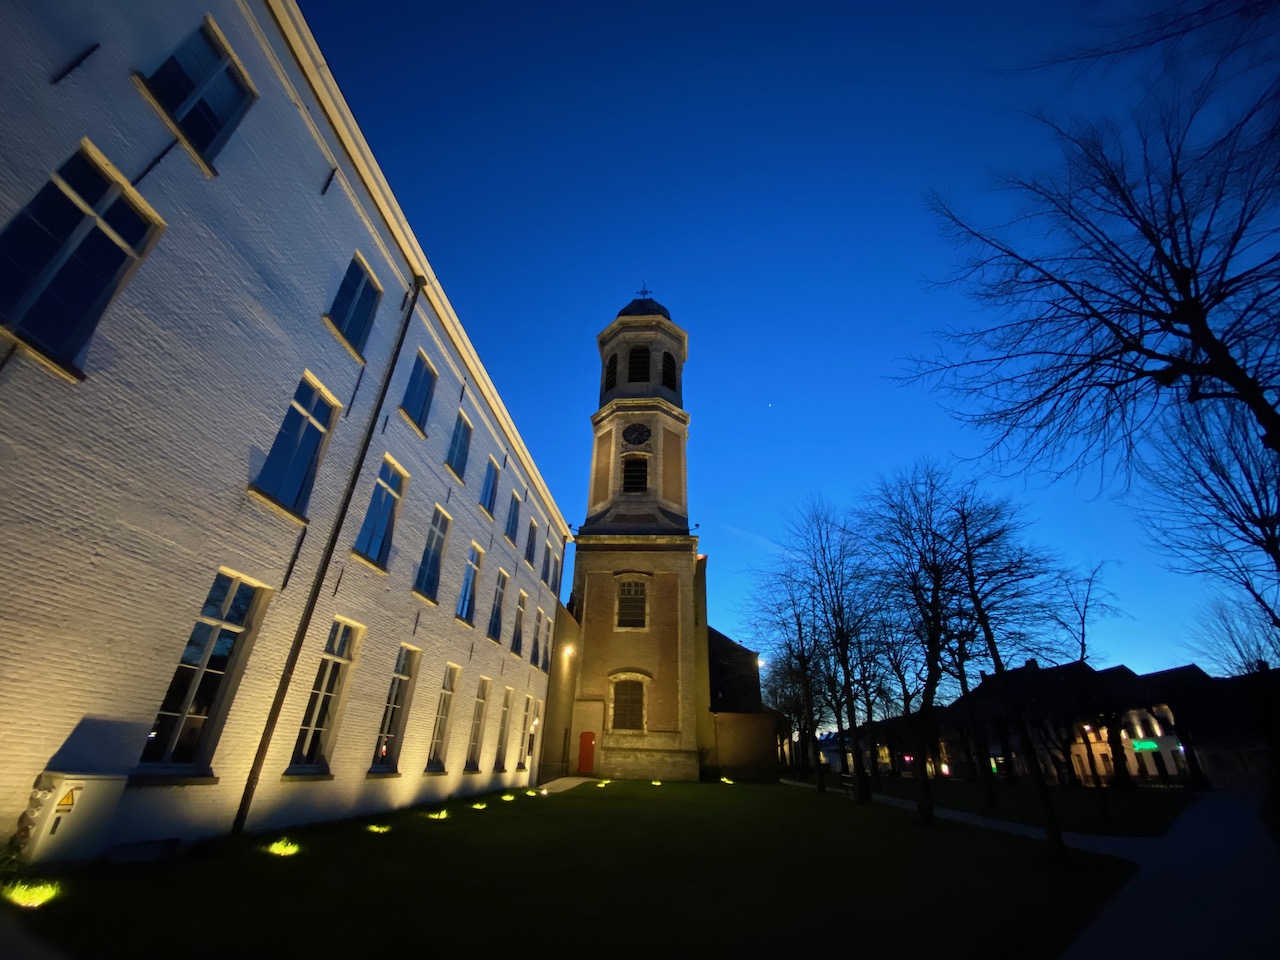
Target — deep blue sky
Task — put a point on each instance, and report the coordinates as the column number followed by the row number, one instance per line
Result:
column 762, row 168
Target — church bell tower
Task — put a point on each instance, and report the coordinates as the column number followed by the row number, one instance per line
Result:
column 638, row 585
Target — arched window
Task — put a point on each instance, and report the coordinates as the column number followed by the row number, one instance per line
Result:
column 668, row 371
column 638, row 365
column 635, row 474
column 628, row 705
column 611, row 372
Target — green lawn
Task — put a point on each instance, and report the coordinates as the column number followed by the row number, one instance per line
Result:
column 628, row 869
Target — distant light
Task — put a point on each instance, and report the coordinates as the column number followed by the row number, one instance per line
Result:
column 656, row 783
column 30, row 896
column 1140, row 745
column 508, row 797
column 602, row 783
column 284, row 847
column 543, row 791
column 725, row 780
column 479, row 806
column 760, row 661
column 946, row 770
column 532, row 793
column 438, row 815
column 568, row 651
column 378, row 828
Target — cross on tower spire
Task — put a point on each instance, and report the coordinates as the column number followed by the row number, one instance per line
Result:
column 644, row 290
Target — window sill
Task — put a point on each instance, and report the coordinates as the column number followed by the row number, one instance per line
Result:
column 257, row 493
column 499, row 769
column 486, row 511
column 371, row 564
column 517, row 654
column 145, row 778
column 413, row 424
column 342, row 339
column 494, row 639
column 300, row 776
column 464, row 621
column 437, row 771
column 205, row 166
column 62, row 368
column 520, row 766
column 457, row 476
column 470, row 771
column 382, row 775
column 425, row 599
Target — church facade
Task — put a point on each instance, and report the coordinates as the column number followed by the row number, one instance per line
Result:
column 641, row 687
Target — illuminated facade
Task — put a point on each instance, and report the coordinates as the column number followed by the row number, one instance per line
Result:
column 275, row 551
column 640, row 689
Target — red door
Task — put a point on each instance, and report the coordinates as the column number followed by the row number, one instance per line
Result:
column 586, row 753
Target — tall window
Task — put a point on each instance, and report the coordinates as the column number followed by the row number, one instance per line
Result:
column 504, row 721
column 546, row 645
column 638, row 365
column 427, row 582
column 635, row 474
column 554, row 583
column 184, row 729
column 537, row 633
column 495, row 615
column 513, row 517
column 466, row 609
column 526, row 740
column 546, row 562
column 440, row 731
column 477, row 725
column 386, row 751
column 611, row 372
column 374, row 541
column 69, row 251
column 417, row 398
column 489, row 489
column 628, row 705
column 290, row 469
column 202, row 90
column 354, row 306
column 315, row 736
column 459, row 447
column 668, row 370
column 631, row 603
column 517, row 634
column 531, row 545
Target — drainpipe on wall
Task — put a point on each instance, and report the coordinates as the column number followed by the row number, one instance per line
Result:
column 304, row 622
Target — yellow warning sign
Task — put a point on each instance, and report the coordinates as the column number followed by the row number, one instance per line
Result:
column 68, row 800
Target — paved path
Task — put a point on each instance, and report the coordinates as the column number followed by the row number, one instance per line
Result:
column 1208, row 888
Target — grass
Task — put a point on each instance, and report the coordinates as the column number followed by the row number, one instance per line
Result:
column 1139, row 812
column 626, row 869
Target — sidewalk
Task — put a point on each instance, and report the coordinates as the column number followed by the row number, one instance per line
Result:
column 1210, row 887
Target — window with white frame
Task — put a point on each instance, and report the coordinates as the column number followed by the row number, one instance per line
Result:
column 537, row 634
column 417, row 397
column 476, row 743
column 427, row 581
column 495, row 614
column 504, row 722
column 517, row 634
column 466, row 609
column 526, row 741
column 632, row 603
column 290, row 468
column 546, row 644
column 203, row 91
column 459, row 447
column 316, row 734
column 489, row 489
column 546, row 562
column 69, row 251
column 440, row 730
column 555, row 575
column 626, row 706
column 355, row 304
column 185, row 728
column 386, row 751
column 531, row 545
column 374, row 540
column 513, row 518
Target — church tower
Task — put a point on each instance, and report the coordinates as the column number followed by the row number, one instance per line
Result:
column 639, row 584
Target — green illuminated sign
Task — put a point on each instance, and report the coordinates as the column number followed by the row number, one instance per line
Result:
column 1140, row 745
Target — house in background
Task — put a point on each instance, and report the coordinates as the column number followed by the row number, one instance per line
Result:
column 275, row 551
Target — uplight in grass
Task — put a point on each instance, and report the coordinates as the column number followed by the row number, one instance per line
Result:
column 29, row 896
column 508, row 797
column 438, row 815
column 479, row 806
column 532, row 793
column 543, row 791
column 378, row 828
column 725, row 780
column 656, row 783
column 284, row 847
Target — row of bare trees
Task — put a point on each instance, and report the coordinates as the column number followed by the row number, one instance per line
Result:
column 894, row 606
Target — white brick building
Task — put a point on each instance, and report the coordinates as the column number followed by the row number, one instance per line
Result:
column 234, row 402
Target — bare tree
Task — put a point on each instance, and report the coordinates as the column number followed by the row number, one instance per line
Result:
column 1236, row 638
